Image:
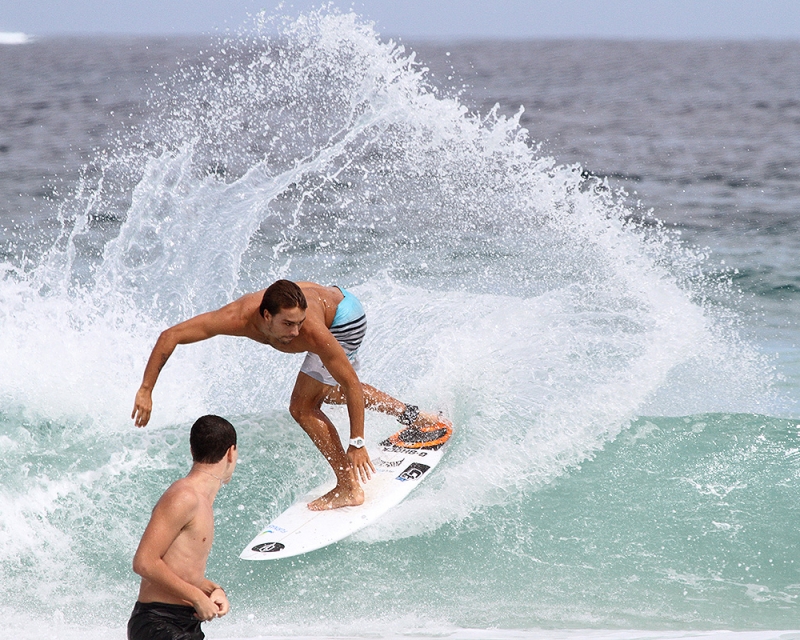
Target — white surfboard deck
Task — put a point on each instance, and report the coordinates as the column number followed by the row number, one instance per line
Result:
column 398, row 470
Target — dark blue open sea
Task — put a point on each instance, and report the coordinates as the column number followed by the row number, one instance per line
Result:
column 587, row 253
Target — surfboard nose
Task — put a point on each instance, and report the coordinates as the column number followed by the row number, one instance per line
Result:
column 259, row 551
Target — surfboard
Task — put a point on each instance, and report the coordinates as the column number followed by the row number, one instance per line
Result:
column 401, row 462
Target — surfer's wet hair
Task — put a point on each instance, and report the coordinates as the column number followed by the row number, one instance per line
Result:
column 210, row 439
column 282, row 294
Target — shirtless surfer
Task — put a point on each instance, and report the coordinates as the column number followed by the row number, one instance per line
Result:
column 329, row 324
column 174, row 595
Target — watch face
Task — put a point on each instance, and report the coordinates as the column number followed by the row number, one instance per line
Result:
column 357, row 442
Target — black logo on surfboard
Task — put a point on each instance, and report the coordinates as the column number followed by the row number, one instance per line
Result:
column 413, row 471
column 268, row 547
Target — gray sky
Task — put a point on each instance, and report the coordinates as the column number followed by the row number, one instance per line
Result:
column 434, row 19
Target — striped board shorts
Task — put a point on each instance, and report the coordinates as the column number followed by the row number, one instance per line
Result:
column 349, row 327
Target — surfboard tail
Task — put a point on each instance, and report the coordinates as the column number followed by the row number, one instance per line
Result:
column 430, row 437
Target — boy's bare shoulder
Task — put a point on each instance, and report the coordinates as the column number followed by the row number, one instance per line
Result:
column 180, row 499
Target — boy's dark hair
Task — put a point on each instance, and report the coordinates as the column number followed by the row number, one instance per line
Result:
column 282, row 294
column 210, row 439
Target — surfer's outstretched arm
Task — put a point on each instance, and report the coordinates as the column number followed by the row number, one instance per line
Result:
column 143, row 404
column 226, row 320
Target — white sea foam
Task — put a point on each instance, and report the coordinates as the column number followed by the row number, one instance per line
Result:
column 14, row 37
column 59, row 629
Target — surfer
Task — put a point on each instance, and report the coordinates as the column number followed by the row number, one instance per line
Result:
column 174, row 595
column 329, row 324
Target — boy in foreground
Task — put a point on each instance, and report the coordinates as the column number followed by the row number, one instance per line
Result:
column 174, row 595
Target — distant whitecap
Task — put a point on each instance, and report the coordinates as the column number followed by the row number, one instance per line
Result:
column 14, row 37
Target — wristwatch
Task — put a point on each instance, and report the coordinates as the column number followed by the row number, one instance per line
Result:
column 357, row 442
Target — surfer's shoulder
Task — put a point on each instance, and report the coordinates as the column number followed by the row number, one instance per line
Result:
column 239, row 313
column 322, row 302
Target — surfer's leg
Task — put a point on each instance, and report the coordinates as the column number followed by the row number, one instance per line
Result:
column 377, row 400
column 306, row 401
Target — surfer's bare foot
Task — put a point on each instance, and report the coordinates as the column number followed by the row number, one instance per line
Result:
column 427, row 420
column 338, row 497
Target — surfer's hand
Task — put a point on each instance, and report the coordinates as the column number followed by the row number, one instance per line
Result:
column 142, row 407
column 359, row 458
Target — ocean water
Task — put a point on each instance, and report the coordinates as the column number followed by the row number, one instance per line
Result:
column 585, row 253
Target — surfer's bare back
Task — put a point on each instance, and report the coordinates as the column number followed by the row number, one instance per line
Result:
column 329, row 324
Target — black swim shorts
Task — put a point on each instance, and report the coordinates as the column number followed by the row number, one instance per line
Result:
column 160, row 621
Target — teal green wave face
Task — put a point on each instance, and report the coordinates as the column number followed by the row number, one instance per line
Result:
column 678, row 523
